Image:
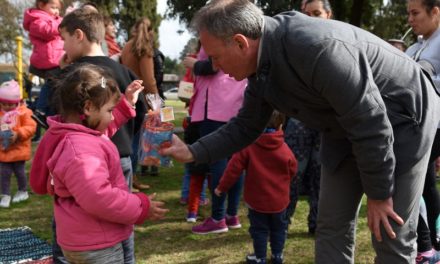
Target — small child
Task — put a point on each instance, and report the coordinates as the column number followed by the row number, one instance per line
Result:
column 270, row 166
column 42, row 23
column 94, row 209
column 17, row 129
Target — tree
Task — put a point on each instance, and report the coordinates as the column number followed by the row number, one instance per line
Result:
column 125, row 13
column 385, row 21
column 11, row 28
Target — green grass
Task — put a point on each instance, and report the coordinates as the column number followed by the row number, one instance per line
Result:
column 171, row 241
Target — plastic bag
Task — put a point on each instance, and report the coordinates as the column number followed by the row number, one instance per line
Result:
column 155, row 135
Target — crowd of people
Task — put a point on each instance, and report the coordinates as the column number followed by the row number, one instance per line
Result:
column 297, row 103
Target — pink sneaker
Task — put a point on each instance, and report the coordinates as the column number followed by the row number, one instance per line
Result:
column 210, row 227
column 233, row 222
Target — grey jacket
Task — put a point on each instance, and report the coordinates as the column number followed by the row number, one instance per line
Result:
column 373, row 103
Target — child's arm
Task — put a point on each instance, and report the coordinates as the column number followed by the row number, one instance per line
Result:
column 125, row 109
column 233, row 171
column 293, row 166
column 45, row 29
column 27, row 127
column 87, row 179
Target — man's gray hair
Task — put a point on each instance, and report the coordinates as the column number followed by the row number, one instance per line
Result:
column 225, row 18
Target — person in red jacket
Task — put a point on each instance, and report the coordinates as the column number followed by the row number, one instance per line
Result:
column 270, row 165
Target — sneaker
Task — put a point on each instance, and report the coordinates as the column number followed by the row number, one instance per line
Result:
column 233, row 222
column 434, row 259
column 277, row 259
column 5, row 202
column 251, row 259
column 20, row 196
column 204, row 202
column 191, row 217
column 210, row 227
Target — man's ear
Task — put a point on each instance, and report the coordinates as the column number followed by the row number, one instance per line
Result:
column 241, row 41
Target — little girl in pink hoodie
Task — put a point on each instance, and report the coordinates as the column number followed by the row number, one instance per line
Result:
column 42, row 23
column 94, row 210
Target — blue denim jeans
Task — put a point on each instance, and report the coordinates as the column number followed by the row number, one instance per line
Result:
column 264, row 225
column 216, row 169
column 112, row 254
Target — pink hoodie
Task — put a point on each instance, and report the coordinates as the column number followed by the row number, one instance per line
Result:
column 45, row 37
column 93, row 206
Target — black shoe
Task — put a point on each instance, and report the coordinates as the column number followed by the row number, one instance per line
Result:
column 40, row 118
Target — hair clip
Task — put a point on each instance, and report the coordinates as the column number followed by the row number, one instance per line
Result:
column 103, row 82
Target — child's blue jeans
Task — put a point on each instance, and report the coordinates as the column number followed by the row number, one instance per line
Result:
column 264, row 225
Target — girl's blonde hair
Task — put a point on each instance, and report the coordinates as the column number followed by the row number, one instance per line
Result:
column 84, row 82
column 142, row 38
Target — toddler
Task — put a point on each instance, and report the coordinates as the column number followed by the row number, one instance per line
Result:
column 16, row 131
column 42, row 23
column 270, row 166
column 94, row 210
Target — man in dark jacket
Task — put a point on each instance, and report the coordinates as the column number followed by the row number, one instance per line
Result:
column 376, row 108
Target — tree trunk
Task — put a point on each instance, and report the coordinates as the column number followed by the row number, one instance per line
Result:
column 356, row 12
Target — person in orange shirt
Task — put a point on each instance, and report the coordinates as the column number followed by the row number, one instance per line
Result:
column 17, row 129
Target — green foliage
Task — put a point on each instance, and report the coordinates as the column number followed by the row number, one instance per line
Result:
column 385, row 21
column 11, row 27
column 126, row 12
column 173, row 66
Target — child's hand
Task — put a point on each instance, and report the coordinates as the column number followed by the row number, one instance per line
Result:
column 133, row 90
column 14, row 137
column 156, row 212
column 217, row 192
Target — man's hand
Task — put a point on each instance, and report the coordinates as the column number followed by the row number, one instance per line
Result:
column 378, row 211
column 217, row 192
column 132, row 91
column 178, row 150
column 156, row 211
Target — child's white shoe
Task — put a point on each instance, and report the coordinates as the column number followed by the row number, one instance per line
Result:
column 5, row 202
column 20, row 196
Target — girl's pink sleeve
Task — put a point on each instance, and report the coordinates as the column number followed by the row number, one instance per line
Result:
column 123, row 112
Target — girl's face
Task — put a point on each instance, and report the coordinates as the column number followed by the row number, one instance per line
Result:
column 99, row 119
column 110, row 30
column 316, row 9
column 6, row 107
column 422, row 22
column 52, row 7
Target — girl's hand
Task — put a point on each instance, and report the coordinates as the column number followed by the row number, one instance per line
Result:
column 133, row 90
column 156, row 211
column 14, row 137
column 217, row 192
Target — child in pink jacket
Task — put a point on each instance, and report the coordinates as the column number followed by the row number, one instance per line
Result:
column 94, row 210
column 42, row 23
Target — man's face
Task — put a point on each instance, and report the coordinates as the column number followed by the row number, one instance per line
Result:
column 71, row 45
column 228, row 57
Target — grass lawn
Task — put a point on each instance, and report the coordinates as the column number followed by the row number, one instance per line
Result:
column 171, row 241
